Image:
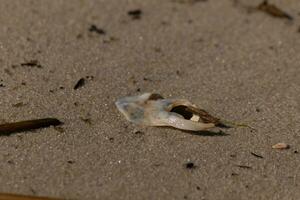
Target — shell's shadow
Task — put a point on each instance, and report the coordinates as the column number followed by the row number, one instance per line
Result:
column 220, row 133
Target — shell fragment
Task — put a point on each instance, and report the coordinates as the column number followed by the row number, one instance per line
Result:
column 280, row 145
column 153, row 110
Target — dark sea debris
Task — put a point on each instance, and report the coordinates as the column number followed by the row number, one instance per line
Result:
column 256, row 155
column 138, row 132
column 152, row 109
column 135, row 14
column 273, row 10
column 95, row 29
column 89, row 77
column 79, row 83
column 70, row 161
column 190, row 165
column 234, row 174
column 82, row 81
column 1, row 83
column 32, row 63
column 244, row 166
column 9, row 128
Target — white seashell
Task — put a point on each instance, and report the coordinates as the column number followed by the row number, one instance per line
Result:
column 153, row 110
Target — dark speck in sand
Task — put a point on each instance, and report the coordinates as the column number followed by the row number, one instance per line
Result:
column 71, row 161
column 244, row 166
column 89, row 77
column 32, row 63
column 135, row 14
column 190, row 165
column 94, row 28
column 165, row 23
column 136, row 132
column 157, row 50
column 10, row 162
column 146, row 79
column 79, row 83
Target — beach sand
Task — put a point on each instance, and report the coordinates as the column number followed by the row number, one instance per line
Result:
column 237, row 64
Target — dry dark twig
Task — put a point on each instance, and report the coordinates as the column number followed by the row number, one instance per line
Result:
column 9, row 128
column 273, row 10
column 5, row 196
column 256, row 155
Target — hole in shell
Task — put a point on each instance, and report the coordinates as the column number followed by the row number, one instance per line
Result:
column 182, row 110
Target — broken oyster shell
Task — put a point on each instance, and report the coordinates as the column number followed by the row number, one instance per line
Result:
column 152, row 109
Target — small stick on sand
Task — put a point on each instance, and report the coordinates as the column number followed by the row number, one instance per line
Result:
column 4, row 196
column 15, row 127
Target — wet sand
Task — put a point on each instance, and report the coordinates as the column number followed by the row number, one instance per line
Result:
column 238, row 65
